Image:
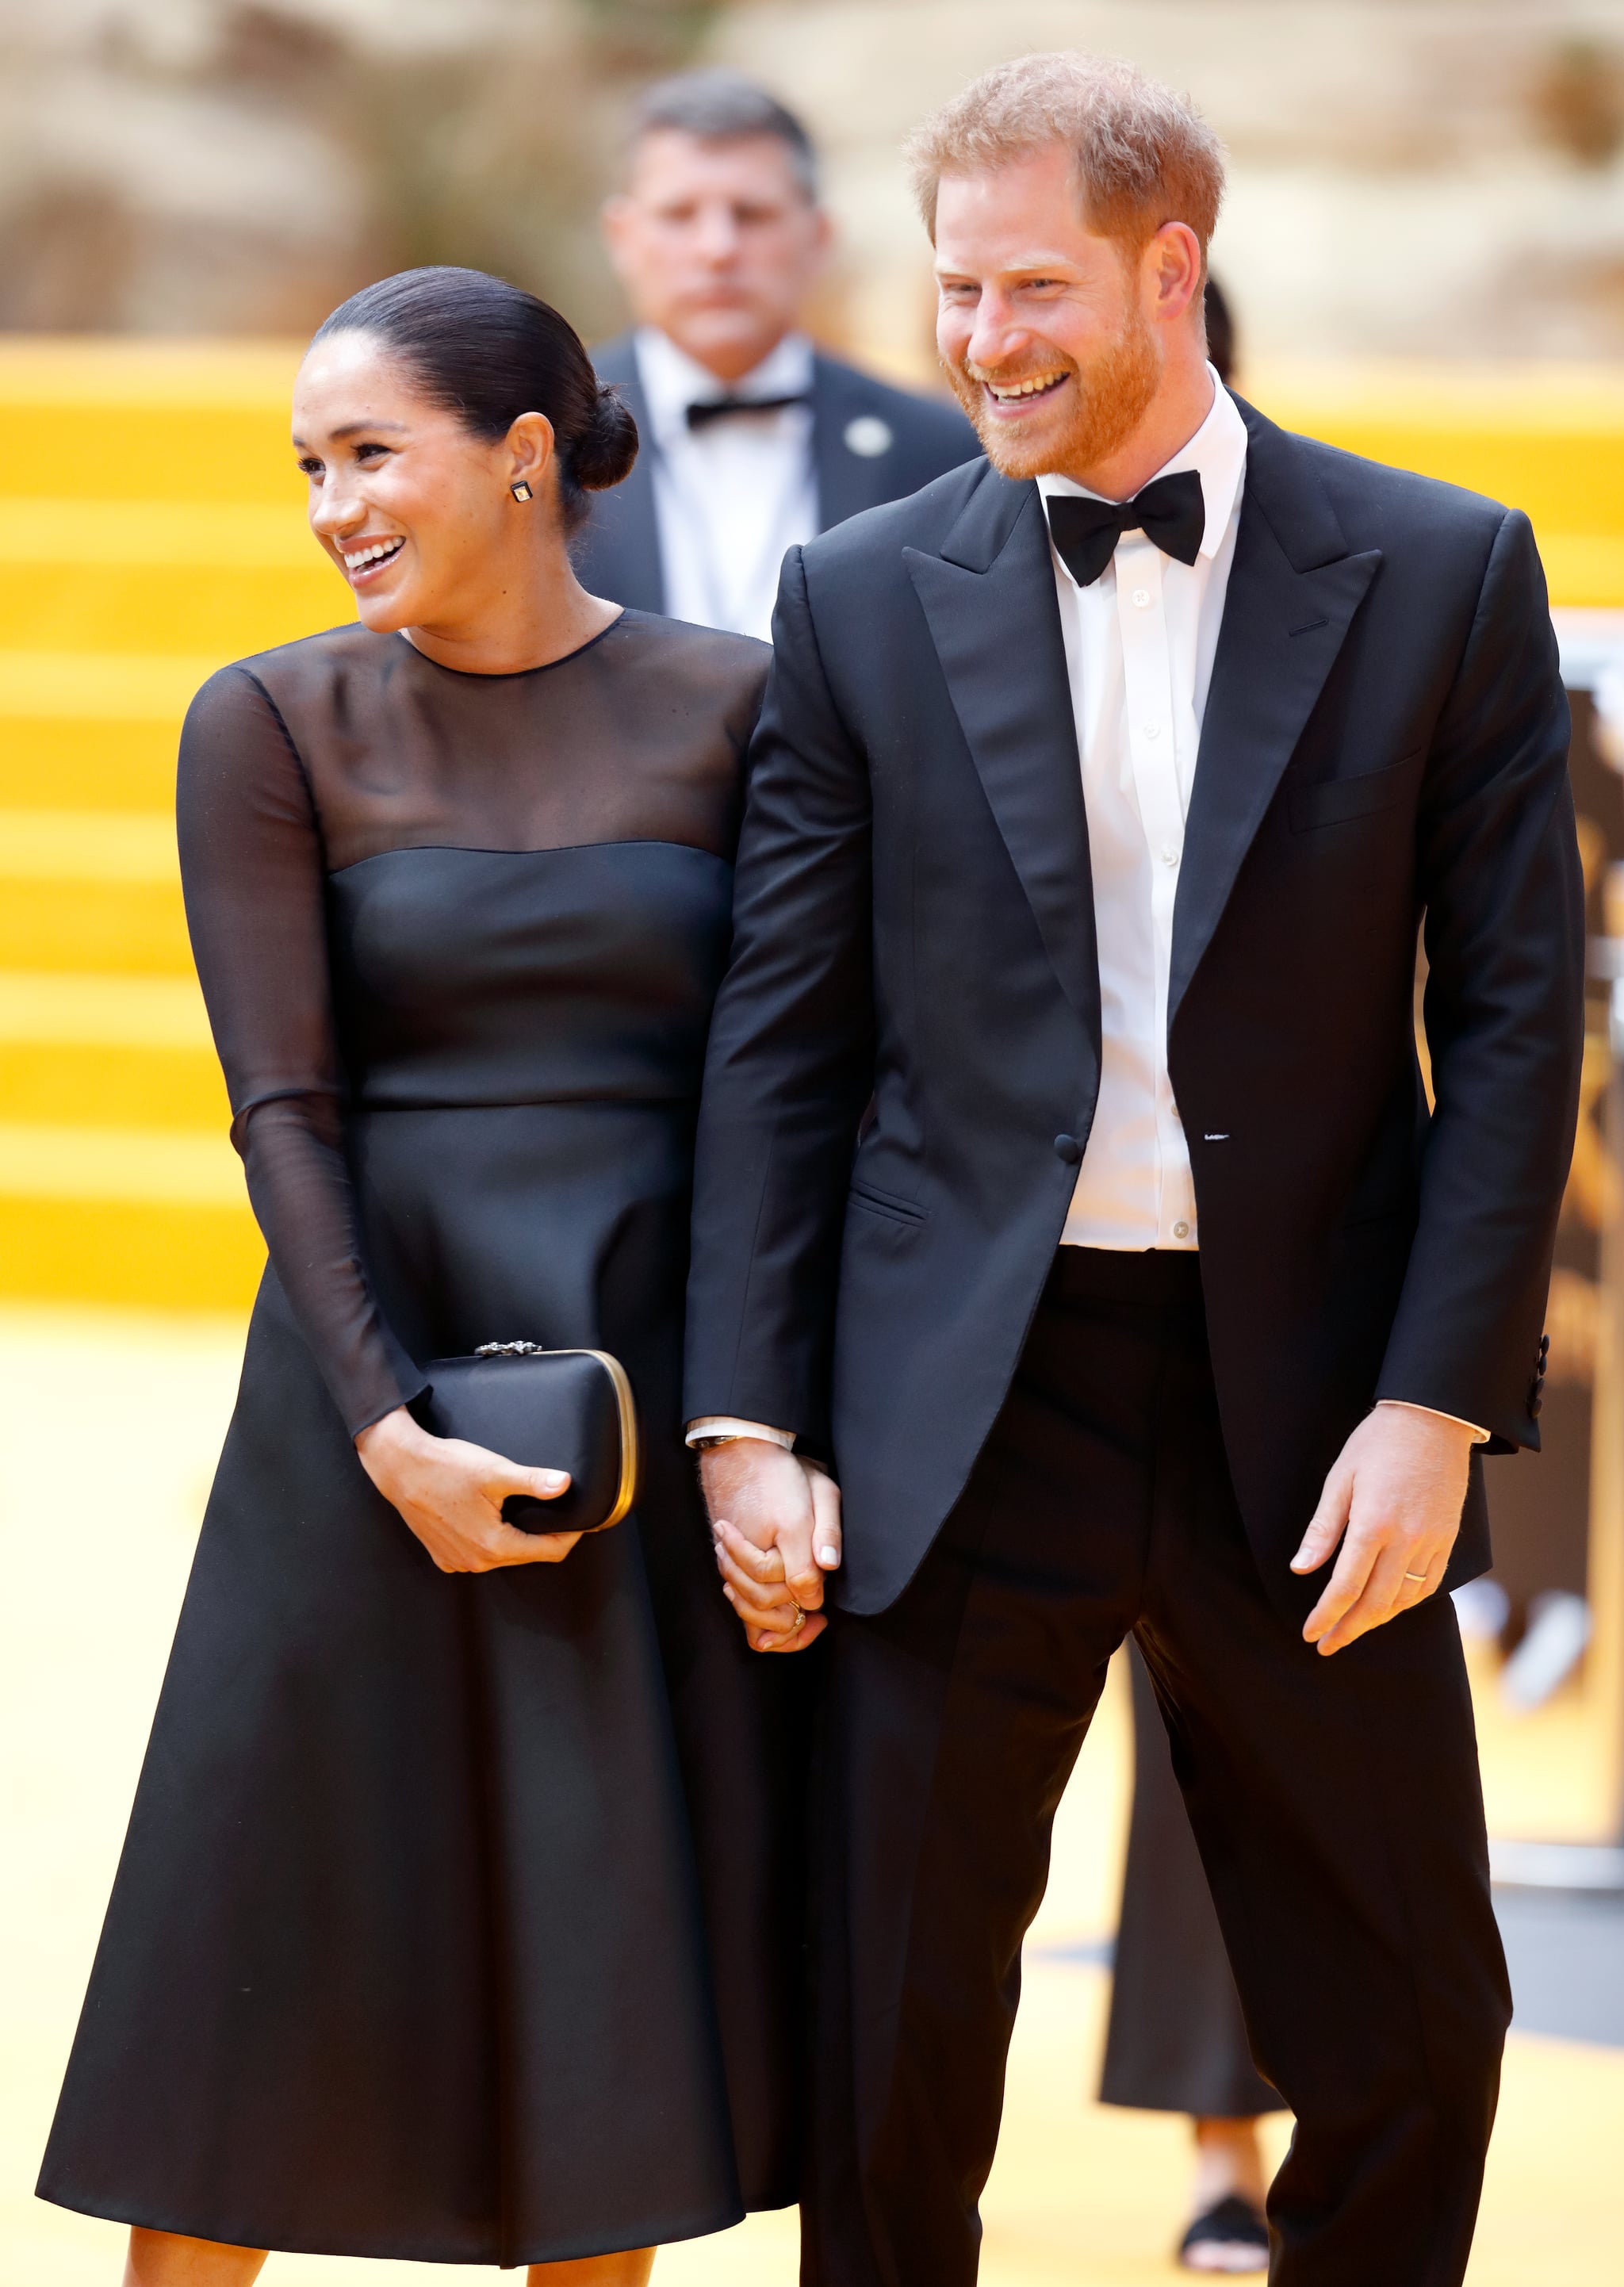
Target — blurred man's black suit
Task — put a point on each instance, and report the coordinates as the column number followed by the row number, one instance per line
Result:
column 870, row 444
column 1040, row 1450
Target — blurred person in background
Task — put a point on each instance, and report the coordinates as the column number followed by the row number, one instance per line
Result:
column 459, row 1913
column 1066, row 1176
column 1176, row 2040
column 752, row 440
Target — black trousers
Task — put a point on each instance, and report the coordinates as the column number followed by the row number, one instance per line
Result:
column 1175, row 2040
column 1335, row 1804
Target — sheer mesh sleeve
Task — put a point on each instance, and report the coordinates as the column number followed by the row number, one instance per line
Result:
column 253, row 869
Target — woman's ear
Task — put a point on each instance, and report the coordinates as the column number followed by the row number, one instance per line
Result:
column 530, row 456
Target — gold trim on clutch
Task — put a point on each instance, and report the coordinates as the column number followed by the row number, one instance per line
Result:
column 623, row 1398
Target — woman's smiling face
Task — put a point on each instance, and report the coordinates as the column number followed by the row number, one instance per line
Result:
column 415, row 511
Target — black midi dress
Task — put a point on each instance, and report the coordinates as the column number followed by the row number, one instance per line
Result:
column 457, row 1916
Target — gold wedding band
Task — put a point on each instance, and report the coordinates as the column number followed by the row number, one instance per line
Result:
column 1414, row 1575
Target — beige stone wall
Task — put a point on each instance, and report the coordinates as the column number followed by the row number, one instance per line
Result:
column 238, row 166
column 1411, row 176
column 1432, row 178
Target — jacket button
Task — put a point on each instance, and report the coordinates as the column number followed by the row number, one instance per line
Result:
column 1067, row 1148
column 1535, row 1403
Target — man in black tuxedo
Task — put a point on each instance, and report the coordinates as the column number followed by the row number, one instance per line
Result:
column 1104, row 1244
column 752, row 440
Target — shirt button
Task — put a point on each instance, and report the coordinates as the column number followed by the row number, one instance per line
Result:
column 1153, row 730
column 1142, row 597
column 1181, row 1230
column 1169, row 856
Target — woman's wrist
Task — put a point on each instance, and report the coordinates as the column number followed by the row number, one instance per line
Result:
column 395, row 1432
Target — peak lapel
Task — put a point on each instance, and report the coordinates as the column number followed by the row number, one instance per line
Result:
column 1293, row 592
column 989, row 601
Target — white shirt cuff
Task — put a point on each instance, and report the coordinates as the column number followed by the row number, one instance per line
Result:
column 1479, row 1437
column 723, row 1425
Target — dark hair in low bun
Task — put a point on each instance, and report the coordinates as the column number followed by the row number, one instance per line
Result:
column 607, row 446
column 488, row 352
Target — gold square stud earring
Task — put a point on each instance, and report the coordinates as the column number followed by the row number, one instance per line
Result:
column 521, row 491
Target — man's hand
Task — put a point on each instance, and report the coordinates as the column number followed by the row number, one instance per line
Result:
column 775, row 1523
column 1394, row 1500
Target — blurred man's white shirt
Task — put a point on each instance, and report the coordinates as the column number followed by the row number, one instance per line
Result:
column 732, row 498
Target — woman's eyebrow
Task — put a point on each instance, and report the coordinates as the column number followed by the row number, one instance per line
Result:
column 353, row 428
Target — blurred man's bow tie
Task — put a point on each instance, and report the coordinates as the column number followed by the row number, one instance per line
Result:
column 1171, row 511
column 718, row 409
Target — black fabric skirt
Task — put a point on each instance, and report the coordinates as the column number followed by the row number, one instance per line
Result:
column 456, row 1918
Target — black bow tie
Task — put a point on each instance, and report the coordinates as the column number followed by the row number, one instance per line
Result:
column 1171, row 511
column 718, row 409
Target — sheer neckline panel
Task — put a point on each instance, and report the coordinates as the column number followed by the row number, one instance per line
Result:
column 511, row 673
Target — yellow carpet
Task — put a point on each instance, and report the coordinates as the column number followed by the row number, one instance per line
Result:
column 98, row 1508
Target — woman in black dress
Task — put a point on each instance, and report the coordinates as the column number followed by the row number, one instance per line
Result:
column 445, row 1929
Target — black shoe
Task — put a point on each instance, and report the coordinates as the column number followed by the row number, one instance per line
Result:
column 1232, row 2236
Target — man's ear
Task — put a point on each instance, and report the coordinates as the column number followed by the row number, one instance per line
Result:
column 1173, row 272
column 614, row 221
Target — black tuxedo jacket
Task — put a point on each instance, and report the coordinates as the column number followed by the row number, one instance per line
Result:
column 905, row 1055
column 618, row 555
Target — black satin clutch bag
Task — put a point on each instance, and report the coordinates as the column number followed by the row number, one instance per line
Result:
column 546, row 1410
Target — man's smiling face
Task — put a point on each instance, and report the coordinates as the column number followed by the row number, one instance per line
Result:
column 1040, row 324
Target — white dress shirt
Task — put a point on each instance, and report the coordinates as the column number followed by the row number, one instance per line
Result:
column 1140, row 642
column 732, row 498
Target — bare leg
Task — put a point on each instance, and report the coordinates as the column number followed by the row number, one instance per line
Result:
column 631, row 2270
column 1228, row 2162
column 163, row 2258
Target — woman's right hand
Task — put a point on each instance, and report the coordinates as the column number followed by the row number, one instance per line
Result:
column 451, row 1493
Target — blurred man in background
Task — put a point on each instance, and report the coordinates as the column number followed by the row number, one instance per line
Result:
column 752, row 441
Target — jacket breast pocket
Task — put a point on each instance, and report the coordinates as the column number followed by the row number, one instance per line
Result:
column 886, row 1206
column 1333, row 802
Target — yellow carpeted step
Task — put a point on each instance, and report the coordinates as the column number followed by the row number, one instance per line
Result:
column 118, row 420
column 1547, row 438
column 93, row 730
column 90, row 765
column 1583, row 570
column 111, row 1214
column 88, row 890
column 117, row 1051
column 160, row 576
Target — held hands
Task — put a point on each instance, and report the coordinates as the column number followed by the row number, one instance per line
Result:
column 775, row 1523
column 451, row 1493
column 1394, row 1500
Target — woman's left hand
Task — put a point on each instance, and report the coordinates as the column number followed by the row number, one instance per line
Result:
column 450, row 1494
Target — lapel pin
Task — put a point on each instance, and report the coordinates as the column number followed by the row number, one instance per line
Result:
column 868, row 437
